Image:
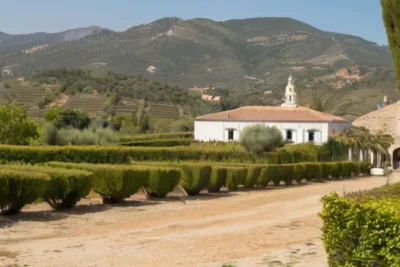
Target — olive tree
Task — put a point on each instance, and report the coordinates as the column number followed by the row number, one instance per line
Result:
column 259, row 138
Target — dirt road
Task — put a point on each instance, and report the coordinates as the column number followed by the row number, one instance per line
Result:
column 271, row 227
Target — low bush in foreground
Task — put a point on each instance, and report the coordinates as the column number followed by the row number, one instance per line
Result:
column 218, row 179
column 195, row 178
column 18, row 188
column 362, row 229
column 65, row 187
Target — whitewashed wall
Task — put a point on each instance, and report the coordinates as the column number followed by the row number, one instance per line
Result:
column 218, row 130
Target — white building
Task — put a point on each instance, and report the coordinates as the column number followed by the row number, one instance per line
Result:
column 297, row 124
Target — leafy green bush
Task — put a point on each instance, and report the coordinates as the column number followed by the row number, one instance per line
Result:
column 259, row 138
column 66, row 186
column 365, row 167
column 113, row 182
column 346, row 168
column 363, row 229
column 325, row 171
column 287, row 172
column 195, row 178
column 334, row 169
column 299, row 172
column 263, row 179
column 235, row 176
column 149, row 137
column 18, row 188
column 298, row 153
column 162, row 181
column 313, row 171
column 275, row 174
column 159, row 142
column 218, row 179
column 253, row 174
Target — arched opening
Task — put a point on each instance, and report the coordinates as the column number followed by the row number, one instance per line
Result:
column 396, row 159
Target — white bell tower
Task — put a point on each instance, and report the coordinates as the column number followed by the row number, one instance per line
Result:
column 290, row 94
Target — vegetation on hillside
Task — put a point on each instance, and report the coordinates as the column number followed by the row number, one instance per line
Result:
column 391, row 14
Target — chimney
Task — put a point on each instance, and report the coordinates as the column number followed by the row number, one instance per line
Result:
column 385, row 99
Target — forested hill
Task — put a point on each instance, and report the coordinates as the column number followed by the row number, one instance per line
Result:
column 197, row 51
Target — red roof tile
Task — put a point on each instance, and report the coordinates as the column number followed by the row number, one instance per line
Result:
column 271, row 114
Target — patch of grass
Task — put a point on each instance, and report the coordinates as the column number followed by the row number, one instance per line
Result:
column 8, row 254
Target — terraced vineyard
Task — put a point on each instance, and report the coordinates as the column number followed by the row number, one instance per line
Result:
column 164, row 111
column 127, row 106
column 92, row 104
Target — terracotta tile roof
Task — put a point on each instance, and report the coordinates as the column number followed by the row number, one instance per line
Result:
column 271, row 114
column 384, row 119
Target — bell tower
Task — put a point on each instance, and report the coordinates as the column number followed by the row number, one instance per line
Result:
column 290, row 94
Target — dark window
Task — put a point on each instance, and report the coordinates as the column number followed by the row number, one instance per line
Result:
column 311, row 136
column 230, row 135
column 289, row 135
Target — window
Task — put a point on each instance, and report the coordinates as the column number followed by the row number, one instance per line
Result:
column 311, row 136
column 289, row 135
column 230, row 135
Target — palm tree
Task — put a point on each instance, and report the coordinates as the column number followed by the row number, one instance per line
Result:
column 331, row 102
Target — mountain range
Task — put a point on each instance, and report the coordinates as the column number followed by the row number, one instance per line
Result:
column 252, row 58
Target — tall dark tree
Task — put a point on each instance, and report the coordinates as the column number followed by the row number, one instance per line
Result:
column 391, row 20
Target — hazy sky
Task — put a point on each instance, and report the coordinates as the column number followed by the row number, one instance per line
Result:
column 357, row 17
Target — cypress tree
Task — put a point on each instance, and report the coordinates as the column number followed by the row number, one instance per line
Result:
column 391, row 20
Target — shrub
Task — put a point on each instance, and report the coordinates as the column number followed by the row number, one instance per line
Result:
column 334, row 170
column 162, row 181
column 253, row 174
column 357, row 168
column 235, row 176
column 299, row 153
column 195, row 178
column 346, row 169
column 263, row 179
column 365, row 167
column 287, row 172
column 299, row 172
column 218, row 179
column 258, row 139
column 313, row 171
column 275, row 174
column 66, row 186
column 18, row 188
column 325, row 171
column 362, row 230
column 149, row 137
column 113, row 182
column 159, row 142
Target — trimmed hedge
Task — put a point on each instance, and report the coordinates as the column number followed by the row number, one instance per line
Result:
column 235, row 176
column 162, row 181
column 66, row 186
column 253, row 174
column 299, row 172
column 159, row 143
column 263, row 179
column 147, row 137
column 195, row 178
column 18, row 188
column 119, row 154
column 218, row 179
column 362, row 229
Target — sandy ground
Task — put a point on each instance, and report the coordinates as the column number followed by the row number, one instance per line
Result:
column 269, row 227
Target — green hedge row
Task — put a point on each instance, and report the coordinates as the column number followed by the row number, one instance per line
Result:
column 18, row 188
column 147, row 137
column 362, row 229
column 119, row 154
column 116, row 182
column 159, row 143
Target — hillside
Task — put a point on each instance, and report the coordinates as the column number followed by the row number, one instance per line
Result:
column 252, row 58
column 26, row 43
column 200, row 51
